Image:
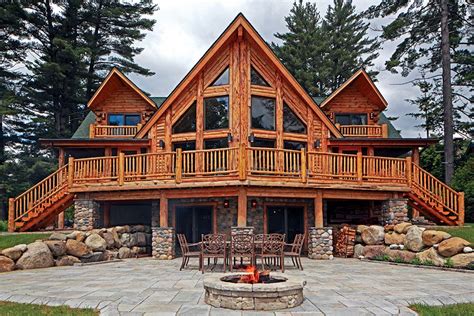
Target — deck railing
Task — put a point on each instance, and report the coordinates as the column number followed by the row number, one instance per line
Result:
column 371, row 131
column 113, row 131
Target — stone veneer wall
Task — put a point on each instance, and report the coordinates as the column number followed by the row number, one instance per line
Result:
column 163, row 241
column 320, row 243
column 395, row 211
column 86, row 214
column 242, row 230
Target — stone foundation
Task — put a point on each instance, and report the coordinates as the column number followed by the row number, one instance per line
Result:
column 86, row 214
column 163, row 241
column 394, row 211
column 320, row 243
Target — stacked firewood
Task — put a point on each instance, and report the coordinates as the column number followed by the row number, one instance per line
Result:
column 345, row 241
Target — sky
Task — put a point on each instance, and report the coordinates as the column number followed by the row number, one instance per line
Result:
column 185, row 29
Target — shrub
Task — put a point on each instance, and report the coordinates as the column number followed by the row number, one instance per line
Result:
column 399, row 260
column 382, row 258
column 3, row 226
column 449, row 263
column 416, row 261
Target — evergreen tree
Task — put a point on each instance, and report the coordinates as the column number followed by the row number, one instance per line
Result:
column 348, row 46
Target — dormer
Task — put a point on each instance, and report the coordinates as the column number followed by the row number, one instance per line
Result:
column 120, row 108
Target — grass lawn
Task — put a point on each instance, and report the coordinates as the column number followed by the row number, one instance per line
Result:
column 16, row 309
column 7, row 241
column 466, row 232
column 448, row 310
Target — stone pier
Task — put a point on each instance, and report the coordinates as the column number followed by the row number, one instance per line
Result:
column 320, row 243
column 86, row 214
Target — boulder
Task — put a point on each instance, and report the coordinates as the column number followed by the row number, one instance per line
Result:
column 22, row 247
column 111, row 255
column 413, row 239
column 96, row 243
column 373, row 251
column 467, row 249
column 452, row 246
column 358, row 250
column 37, row 255
column 122, row 229
column 57, row 247
column 125, row 239
column 137, row 228
column 462, row 260
column 6, row 264
column 109, row 240
column 388, row 227
column 432, row 237
column 403, row 255
column 117, row 241
column 361, row 228
column 57, row 236
column 431, row 255
column 373, row 235
column 394, row 238
column 93, row 257
column 138, row 250
column 402, row 228
column 124, row 252
column 76, row 248
column 139, row 239
column 13, row 252
column 67, row 261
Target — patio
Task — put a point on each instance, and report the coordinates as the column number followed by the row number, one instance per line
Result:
column 148, row 286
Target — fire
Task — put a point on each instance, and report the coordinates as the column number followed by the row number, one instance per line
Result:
column 252, row 275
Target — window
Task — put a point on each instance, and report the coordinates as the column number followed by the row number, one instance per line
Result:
column 187, row 122
column 216, row 113
column 216, row 143
column 351, row 119
column 263, row 113
column 123, row 119
column 293, row 145
column 291, row 122
column 263, row 143
column 257, row 79
column 222, row 79
column 191, row 145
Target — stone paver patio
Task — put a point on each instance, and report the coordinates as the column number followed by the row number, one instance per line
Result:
column 151, row 287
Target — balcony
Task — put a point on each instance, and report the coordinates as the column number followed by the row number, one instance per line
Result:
column 113, row 131
column 369, row 131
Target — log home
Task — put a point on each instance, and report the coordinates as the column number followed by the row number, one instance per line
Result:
column 238, row 144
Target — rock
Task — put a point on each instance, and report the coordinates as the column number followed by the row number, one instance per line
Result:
column 57, row 247
column 388, row 227
column 22, row 247
column 430, row 255
column 413, row 239
column 122, row 229
column 140, row 239
column 361, row 228
column 67, row 261
column 402, row 228
column 111, row 255
column 93, row 257
column 96, row 243
column 394, row 238
column 77, row 248
column 432, row 237
column 57, row 236
column 358, row 250
column 401, row 247
column 117, row 241
column 138, row 250
column 373, row 251
column 6, row 264
column 109, row 240
column 13, row 252
column 435, row 246
column 373, row 235
column 125, row 239
column 393, row 246
column 137, row 228
column 462, row 260
column 452, row 246
column 467, row 250
column 124, row 252
column 403, row 255
column 37, row 255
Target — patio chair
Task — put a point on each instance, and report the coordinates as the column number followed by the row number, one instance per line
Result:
column 213, row 246
column 186, row 253
column 242, row 246
column 272, row 250
column 295, row 252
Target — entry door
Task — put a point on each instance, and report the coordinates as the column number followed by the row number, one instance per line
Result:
column 193, row 221
column 287, row 220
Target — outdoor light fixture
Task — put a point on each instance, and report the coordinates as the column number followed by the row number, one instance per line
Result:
column 372, row 115
column 253, row 203
column 317, row 144
column 251, row 138
column 229, row 137
column 226, row 203
column 161, row 143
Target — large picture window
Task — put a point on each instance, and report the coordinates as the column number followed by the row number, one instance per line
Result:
column 187, row 122
column 216, row 113
column 121, row 119
column 351, row 119
column 263, row 113
column 291, row 122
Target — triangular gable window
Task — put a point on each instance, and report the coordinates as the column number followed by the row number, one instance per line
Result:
column 291, row 122
column 257, row 79
column 222, row 79
column 187, row 122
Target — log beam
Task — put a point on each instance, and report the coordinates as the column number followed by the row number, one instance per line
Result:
column 242, row 208
column 163, row 210
column 318, row 210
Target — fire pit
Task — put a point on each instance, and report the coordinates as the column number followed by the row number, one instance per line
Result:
column 253, row 290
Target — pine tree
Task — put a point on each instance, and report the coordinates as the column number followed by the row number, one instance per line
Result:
column 348, row 46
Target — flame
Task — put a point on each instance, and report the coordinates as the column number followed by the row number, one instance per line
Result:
column 252, row 276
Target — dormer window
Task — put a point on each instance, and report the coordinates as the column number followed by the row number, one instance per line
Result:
column 120, row 119
column 351, row 119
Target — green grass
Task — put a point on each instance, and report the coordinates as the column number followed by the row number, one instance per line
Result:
column 7, row 241
column 447, row 310
column 17, row 309
column 466, row 232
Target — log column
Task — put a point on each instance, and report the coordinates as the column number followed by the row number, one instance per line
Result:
column 61, row 158
column 415, row 155
column 318, row 209
column 242, row 208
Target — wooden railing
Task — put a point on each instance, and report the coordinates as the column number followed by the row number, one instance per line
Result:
column 378, row 169
column 374, row 131
column 112, row 131
column 222, row 161
column 156, row 166
column 329, row 166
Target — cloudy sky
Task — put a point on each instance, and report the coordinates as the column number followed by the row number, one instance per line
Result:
column 185, row 29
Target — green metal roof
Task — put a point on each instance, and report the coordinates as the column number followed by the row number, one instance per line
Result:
column 83, row 129
column 158, row 101
column 319, row 100
column 392, row 131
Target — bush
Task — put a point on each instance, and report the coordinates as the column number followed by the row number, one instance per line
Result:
column 3, row 226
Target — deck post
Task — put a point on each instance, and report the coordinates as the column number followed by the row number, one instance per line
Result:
column 163, row 210
column 179, row 165
column 11, row 215
column 242, row 208
column 318, row 210
column 121, row 168
column 304, row 176
column 359, row 167
column 92, row 131
column 242, row 163
column 70, row 172
column 408, row 170
column 384, row 131
column 461, row 208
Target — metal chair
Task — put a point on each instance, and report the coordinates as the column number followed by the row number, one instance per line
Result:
column 241, row 246
column 272, row 249
column 186, row 253
column 213, row 246
column 295, row 252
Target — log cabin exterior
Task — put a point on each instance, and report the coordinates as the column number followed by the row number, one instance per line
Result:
column 237, row 144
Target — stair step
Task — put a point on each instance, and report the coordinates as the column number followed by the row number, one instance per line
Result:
column 19, row 224
column 453, row 217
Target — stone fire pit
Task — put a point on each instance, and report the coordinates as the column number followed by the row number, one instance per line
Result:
column 285, row 292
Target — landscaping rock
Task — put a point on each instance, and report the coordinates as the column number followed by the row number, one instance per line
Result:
column 139, row 239
column 358, row 250
column 37, row 255
column 13, row 252
column 432, row 256
column 361, row 228
column 452, row 246
column 93, row 257
column 462, row 260
column 109, row 240
column 137, row 228
column 57, row 236
column 96, row 243
column 432, row 237
column 77, row 248
column 125, row 240
column 122, row 229
column 22, row 247
column 413, row 239
column 403, row 255
column 6, row 264
column 373, row 251
column 394, row 238
column 124, row 252
column 373, row 235
column 57, row 247
column 467, row 250
column 388, row 227
column 67, row 261
column 402, row 228
column 117, row 241
column 111, row 255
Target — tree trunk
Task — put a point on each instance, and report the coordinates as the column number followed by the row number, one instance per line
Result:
column 447, row 95
column 2, row 140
